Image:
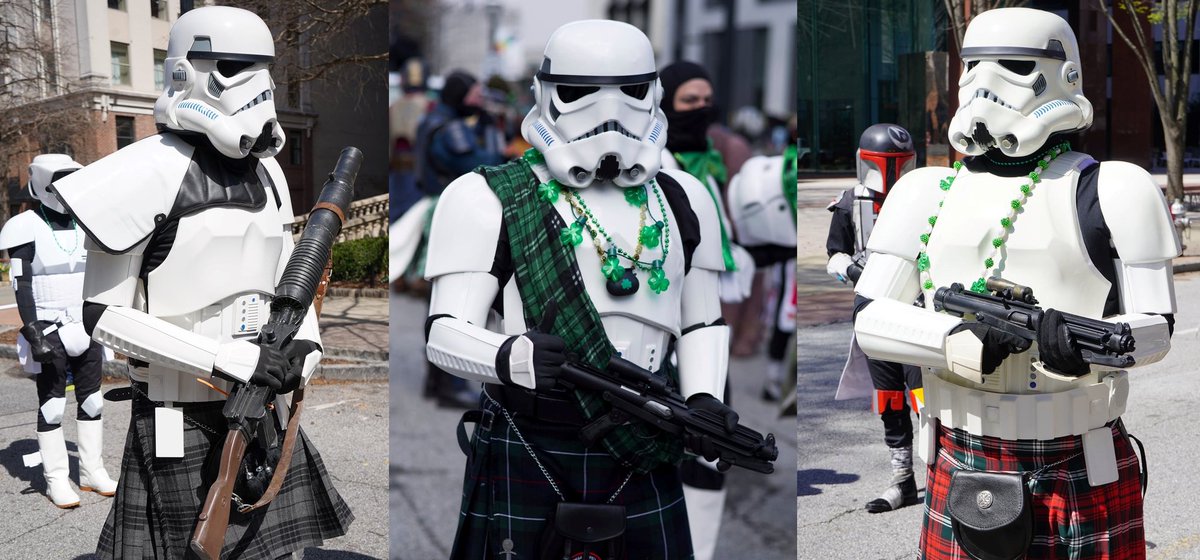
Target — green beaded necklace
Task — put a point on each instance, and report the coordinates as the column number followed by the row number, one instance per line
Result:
column 1006, row 223
column 621, row 279
column 74, row 231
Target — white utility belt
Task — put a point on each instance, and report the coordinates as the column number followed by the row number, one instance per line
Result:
column 1084, row 411
column 1039, row 416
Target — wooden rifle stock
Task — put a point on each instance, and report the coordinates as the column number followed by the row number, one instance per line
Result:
column 209, row 536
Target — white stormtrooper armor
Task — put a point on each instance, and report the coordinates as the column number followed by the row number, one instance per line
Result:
column 58, row 263
column 1021, row 84
column 597, row 78
column 467, row 219
column 758, row 205
column 1044, row 250
column 184, row 247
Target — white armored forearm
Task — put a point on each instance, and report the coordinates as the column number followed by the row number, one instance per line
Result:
column 702, row 351
column 459, row 344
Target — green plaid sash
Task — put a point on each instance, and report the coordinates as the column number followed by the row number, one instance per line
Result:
column 545, row 270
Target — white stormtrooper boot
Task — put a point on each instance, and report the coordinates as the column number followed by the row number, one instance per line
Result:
column 92, row 476
column 704, row 509
column 55, row 466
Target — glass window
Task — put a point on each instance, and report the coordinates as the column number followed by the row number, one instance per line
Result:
column 295, row 153
column 120, row 63
column 125, row 135
column 160, row 60
column 158, row 9
column 117, row 4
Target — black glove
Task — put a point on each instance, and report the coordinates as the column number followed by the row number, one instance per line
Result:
column 1055, row 348
column 549, row 351
column 702, row 445
column 295, row 352
column 44, row 348
column 271, row 369
column 997, row 344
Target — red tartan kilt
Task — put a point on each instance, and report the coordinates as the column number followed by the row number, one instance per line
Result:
column 1071, row 519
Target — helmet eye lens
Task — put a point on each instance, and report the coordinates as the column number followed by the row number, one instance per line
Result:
column 1022, row 67
column 230, row 68
column 637, row 91
column 569, row 94
column 971, row 65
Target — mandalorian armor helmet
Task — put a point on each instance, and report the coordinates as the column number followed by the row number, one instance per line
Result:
column 220, row 85
column 885, row 152
column 596, row 115
column 1021, row 83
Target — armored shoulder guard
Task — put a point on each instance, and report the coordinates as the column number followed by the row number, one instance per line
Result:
column 20, row 229
column 465, row 229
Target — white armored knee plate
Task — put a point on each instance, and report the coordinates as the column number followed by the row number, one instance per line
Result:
column 596, row 113
column 46, row 169
column 218, row 61
column 1022, row 83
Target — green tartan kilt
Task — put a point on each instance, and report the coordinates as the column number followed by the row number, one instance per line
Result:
column 507, row 501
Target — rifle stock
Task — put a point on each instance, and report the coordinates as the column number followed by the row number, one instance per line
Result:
column 209, row 536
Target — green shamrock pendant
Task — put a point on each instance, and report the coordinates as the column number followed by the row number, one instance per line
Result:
column 979, row 287
column 612, row 268
column 548, row 191
column 658, row 279
column 636, row 196
column 650, row 235
column 572, row 235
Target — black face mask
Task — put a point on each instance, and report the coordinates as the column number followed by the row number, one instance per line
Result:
column 687, row 131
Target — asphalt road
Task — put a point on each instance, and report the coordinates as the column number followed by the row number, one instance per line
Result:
column 845, row 463
column 427, row 466
column 347, row 423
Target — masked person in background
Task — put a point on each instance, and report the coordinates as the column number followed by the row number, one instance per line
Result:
column 1021, row 429
column 189, row 231
column 588, row 249
column 47, row 259
column 885, row 152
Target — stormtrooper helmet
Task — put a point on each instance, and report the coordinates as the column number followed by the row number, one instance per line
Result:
column 885, row 152
column 1021, row 83
column 596, row 113
column 220, row 85
column 46, row 169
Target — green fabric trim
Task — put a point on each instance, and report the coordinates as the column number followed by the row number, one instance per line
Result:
column 702, row 166
column 545, row 269
column 790, row 176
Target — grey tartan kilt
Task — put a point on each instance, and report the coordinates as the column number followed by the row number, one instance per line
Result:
column 158, row 500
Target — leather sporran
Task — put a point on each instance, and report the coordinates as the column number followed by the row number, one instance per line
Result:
column 991, row 514
column 585, row 532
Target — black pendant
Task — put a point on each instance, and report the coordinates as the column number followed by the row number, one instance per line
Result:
column 627, row 285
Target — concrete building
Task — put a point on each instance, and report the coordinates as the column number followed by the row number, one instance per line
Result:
column 104, row 60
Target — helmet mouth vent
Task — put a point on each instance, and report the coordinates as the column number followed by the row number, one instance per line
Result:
column 609, row 168
column 264, row 96
column 215, row 88
column 608, row 126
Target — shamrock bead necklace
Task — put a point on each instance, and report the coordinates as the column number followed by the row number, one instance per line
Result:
column 1006, row 223
column 620, row 280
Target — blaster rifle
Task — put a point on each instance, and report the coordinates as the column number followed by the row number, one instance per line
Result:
column 1013, row 309
column 246, row 409
column 634, row 392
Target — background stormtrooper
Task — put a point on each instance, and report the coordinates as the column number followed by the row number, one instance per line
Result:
column 885, row 152
column 629, row 256
column 47, row 258
column 1089, row 239
column 188, row 232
